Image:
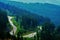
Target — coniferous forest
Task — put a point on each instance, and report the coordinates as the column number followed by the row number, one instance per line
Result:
column 20, row 24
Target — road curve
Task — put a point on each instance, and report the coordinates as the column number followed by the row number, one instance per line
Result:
column 13, row 31
column 30, row 35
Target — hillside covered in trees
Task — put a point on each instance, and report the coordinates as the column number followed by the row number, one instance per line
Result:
column 30, row 26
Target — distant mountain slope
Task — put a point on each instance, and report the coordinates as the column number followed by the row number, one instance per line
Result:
column 48, row 10
column 21, row 12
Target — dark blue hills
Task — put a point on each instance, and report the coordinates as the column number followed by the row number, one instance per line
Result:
column 51, row 11
column 43, row 9
column 24, row 13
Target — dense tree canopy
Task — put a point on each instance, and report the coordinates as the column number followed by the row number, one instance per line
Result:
column 3, row 20
column 47, row 31
column 29, row 23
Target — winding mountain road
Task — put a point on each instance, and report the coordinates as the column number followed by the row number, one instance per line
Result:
column 13, row 31
column 14, row 27
column 30, row 35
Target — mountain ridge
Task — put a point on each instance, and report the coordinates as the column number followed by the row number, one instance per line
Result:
column 47, row 10
column 44, row 9
column 20, row 12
